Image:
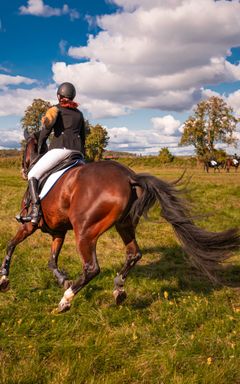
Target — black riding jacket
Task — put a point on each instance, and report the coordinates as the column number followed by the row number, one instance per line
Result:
column 69, row 130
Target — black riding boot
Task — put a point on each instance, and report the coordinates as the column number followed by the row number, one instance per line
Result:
column 35, row 215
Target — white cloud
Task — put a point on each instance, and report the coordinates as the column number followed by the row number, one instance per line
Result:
column 10, row 138
column 15, row 101
column 234, row 101
column 167, row 124
column 155, row 55
column 6, row 80
column 130, row 5
column 38, row 8
column 163, row 133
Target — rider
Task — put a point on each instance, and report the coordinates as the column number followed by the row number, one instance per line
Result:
column 213, row 161
column 235, row 159
column 68, row 125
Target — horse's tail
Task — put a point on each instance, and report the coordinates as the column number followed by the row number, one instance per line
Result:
column 205, row 249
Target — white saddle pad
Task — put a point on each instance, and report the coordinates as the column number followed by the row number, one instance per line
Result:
column 52, row 179
column 213, row 162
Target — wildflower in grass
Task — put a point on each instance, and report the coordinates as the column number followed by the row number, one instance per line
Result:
column 236, row 309
column 209, row 360
column 134, row 336
column 165, row 294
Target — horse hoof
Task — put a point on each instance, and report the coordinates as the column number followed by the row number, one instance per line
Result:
column 119, row 296
column 63, row 307
column 4, row 283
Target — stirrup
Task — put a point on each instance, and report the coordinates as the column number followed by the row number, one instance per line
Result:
column 22, row 219
column 34, row 219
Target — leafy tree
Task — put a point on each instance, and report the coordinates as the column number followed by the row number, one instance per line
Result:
column 96, row 142
column 213, row 121
column 33, row 115
column 165, row 155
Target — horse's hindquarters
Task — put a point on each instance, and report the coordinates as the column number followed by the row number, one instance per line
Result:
column 96, row 194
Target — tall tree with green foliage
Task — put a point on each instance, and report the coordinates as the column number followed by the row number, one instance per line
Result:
column 213, row 121
column 96, row 142
column 33, row 114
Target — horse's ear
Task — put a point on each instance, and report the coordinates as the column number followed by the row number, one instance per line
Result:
column 26, row 134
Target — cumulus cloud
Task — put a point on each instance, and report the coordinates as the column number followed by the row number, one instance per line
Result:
column 161, row 132
column 167, row 124
column 10, row 138
column 15, row 101
column 121, row 138
column 38, row 8
column 6, row 80
column 234, row 101
column 156, row 54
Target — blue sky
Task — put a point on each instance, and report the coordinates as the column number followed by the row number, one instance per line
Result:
column 139, row 66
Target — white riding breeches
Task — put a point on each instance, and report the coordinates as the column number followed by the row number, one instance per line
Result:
column 48, row 161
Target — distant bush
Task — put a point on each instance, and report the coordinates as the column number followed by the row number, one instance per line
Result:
column 165, row 156
column 11, row 162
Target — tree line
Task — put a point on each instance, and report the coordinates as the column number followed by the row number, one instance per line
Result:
column 211, row 123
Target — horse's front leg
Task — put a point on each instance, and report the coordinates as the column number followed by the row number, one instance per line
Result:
column 133, row 254
column 87, row 248
column 23, row 232
column 56, row 247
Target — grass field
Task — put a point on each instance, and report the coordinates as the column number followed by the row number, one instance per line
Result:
column 174, row 328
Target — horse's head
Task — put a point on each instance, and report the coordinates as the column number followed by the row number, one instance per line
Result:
column 30, row 152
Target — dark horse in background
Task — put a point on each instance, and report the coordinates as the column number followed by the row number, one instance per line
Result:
column 232, row 163
column 215, row 165
column 91, row 198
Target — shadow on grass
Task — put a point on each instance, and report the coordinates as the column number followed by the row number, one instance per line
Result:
column 168, row 264
column 173, row 264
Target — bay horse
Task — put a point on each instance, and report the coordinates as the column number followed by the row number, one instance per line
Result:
column 231, row 163
column 91, row 198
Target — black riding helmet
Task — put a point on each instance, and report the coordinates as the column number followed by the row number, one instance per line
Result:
column 67, row 90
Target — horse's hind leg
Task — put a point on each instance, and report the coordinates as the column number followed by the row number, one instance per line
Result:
column 56, row 247
column 127, row 232
column 23, row 232
column 86, row 244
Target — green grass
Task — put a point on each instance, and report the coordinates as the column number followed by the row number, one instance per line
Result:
column 174, row 327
